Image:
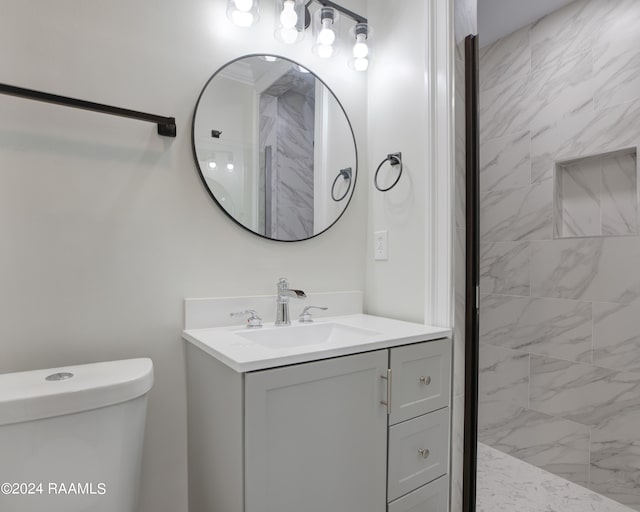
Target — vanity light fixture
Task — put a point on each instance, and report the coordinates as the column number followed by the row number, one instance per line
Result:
column 293, row 17
column 361, row 49
column 230, row 165
column 221, row 157
column 230, row 158
column 243, row 13
column 326, row 34
column 290, row 16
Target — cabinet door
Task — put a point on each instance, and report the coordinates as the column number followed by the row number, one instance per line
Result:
column 316, row 436
column 432, row 497
column 420, row 377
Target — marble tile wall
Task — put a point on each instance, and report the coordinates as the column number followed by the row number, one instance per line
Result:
column 560, row 317
column 287, row 125
column 597, row 196
column 268, row 138
column 294, row 189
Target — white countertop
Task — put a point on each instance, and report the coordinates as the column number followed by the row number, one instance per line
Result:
column 228, row 346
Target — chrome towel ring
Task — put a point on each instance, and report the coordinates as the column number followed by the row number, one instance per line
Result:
column 393, row 159
column 346, row 174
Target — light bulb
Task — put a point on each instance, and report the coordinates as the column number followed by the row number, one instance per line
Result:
column 361, row 64
column 243, row 5
column 325, row 51
column 230, row 167
column 288, row 16
column 288, row 35
column 212, row 165
column 326, row 36
column 242, row 19
column 360, row 49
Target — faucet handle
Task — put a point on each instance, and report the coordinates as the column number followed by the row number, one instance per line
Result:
column 305, row 316
column 253, row 321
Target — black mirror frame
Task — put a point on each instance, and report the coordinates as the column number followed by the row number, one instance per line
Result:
column 204, row 183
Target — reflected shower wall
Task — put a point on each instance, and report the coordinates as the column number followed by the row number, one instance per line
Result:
column 286, row 138
column 560, row 267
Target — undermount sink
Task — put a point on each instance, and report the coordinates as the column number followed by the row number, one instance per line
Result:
column 329, row 333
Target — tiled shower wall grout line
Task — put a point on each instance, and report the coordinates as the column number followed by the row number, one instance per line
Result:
column 592, row 334
column 601, row 177
column 529, row 384
column 556, row 358
column 545, row 297
column 589, row 464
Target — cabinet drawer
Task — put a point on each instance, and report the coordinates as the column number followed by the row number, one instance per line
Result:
column 432, row 497
column 420, row 378
column 418, row 452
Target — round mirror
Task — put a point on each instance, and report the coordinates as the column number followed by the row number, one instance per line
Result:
column 274, row 148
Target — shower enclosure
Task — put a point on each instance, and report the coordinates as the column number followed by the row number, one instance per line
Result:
column 559, row 262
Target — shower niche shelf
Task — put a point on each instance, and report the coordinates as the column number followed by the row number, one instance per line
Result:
column 596, row 196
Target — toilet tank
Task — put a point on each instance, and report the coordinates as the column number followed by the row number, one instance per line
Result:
column 71, row 438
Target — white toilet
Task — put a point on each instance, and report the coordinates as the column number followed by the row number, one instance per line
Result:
column 71, row 438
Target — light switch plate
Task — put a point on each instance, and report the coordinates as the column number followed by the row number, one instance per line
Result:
column 380, row 251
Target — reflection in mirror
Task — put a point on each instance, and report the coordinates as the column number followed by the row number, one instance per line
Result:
column 274, row 148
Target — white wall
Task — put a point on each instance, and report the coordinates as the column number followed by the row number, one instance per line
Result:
column 105, row 227
column 398, row 122
column 410, row 111
column 234, row 190
column 333, row 132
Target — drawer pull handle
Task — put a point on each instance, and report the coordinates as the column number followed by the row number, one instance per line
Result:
column 387, row 402
column 425, row 380
column 424, row 453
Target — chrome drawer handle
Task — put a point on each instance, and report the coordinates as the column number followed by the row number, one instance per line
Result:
column 425, row 380
column 424, row 453
column 387, row 402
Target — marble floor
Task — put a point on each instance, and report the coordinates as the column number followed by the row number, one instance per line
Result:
column 507, row 484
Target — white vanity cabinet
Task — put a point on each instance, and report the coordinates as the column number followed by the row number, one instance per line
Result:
column 367, row 432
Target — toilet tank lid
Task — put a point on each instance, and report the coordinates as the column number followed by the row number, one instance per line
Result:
column 39, row 394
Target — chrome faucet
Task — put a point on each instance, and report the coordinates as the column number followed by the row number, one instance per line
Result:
column 282, row 302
